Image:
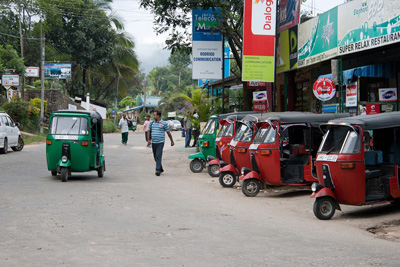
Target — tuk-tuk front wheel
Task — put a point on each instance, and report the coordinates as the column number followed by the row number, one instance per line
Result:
column 251, row 187
column 324, row 208
column 101, row 169
column 64, row 174
column 213, row 170
column 196, row 165
column 227, row 179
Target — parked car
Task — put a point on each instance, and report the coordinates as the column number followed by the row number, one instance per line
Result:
column 174, row 125
column 10, row 136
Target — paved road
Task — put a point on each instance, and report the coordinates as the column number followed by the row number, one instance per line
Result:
column 131, row 217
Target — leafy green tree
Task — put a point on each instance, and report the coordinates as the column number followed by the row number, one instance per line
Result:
column 9, row 59
column 127, row 101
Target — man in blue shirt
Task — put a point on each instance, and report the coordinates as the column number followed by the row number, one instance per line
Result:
column 157, row 129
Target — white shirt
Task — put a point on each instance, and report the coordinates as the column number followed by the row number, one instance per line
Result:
column 123, row 124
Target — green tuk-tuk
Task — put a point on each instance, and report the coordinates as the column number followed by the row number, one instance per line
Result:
column 206, row 141
column 74, row 143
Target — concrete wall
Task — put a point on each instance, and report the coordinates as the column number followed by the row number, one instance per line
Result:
column 55, row 99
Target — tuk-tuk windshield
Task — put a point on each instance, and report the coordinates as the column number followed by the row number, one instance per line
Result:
column 69, row 126
column 226, row 130
column 209, row 128
column 340, row 140
column 265, row 135
column 244, row 134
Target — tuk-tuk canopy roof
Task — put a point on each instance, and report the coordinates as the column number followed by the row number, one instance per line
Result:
column 372, row 122
column 92, row 114
column 304, row 117
column 234, row 115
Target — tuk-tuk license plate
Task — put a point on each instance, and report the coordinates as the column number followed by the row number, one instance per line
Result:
column 253, row 146
column 233, row 143
column 66, row 137
column 332, row 158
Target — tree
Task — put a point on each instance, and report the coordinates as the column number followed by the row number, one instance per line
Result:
column 9, row 59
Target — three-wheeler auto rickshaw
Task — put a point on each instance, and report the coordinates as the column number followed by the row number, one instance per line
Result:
column 239, row 150
column 358, row 163
column 284, row 150
column 224, row 137
column 74, row 143
column 206, row 141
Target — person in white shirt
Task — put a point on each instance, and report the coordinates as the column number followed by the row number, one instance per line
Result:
column 123, row 125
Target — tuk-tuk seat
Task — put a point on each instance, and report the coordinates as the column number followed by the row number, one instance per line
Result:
column 298, row 150
column 373, row 157
column 370, row 174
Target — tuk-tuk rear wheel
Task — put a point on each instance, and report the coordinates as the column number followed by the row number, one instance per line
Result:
column 227, row 179
column 324, row 208
column 100, row 170
column 196, row 165
column 64, row 174
column 251, row 187
column 213, row 170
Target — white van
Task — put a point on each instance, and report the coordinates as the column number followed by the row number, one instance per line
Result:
column 10, row 136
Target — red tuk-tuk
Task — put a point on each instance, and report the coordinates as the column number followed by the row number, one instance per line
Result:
column 239, row 150
column 284, row 151
column 358, row 163
column 224, row 137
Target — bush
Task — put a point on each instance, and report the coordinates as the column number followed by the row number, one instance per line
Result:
column 109, row 126
column 36, row 102
column 23, row 113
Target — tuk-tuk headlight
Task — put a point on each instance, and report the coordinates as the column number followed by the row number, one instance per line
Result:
column 315, row 187
column 206, row 144
column 64, row 159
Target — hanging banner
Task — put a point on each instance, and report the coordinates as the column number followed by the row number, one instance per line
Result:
column 286, row 50
column 318, row 38
column 388, row 95
column 57, row 71
column 324, row 89
column 259, row 40
column 289, row 14
column 367, row 24
column 351, row 95
column 206, row 45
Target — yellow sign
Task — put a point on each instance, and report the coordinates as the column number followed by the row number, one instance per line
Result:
column 258, row 68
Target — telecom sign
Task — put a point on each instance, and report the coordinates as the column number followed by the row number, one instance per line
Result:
column 10, row 80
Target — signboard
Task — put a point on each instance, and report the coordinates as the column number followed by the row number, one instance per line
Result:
column 286, row 50
column 289, row 14
column 57, row 71
column 324, row 89
column 260, row 96
column 351, row 95
column 367, row 24
column 318, row 38
column 10, row 80
column 254, row 84
column 32, row 72
column 388, row 95
column 373, row 109
column 207, row 45
column 171, row 114
column 259, row 40
column 330, row 108
column 260, row 107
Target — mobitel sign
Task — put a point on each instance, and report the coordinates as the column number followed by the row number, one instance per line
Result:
column 259, row 40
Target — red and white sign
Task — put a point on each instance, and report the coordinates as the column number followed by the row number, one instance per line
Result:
column 256, row 84
column 260, row 107
column 388, row 95
column 351, row 95
column 32, row 72
column 373, row 109
column 260, row 96
column 324, row 89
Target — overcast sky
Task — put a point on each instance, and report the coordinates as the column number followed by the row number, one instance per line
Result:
column 149, row 47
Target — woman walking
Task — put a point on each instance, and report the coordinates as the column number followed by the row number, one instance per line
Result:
column 123, row 125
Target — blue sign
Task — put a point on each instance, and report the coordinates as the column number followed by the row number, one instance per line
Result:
column 227, row 62
column 205, row 23
column 330, row 109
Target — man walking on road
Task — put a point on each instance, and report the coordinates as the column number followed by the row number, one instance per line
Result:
column 156, row 137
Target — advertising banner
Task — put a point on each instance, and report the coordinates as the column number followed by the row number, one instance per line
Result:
column 10, row 80
column 373, row 109
column 32, row 72
column 260, row 96
column 367, row 24
column 207, row 45
column 286, row 50
column 259, row 40
column 318, row 38
column 388, row 95
column 260, row 107
column 289, row 14
column 324, row 89
column 351, row 95
column 57, row 71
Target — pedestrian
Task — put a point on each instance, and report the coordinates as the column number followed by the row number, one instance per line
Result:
column 146, row 126
column 195, row 130
column 123, row 125
column 188, row 130
column 156, row 137
column 182, row 121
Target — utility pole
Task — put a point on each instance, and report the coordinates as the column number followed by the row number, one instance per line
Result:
column 42, row 57
column 22, row 49
column 116, row 100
